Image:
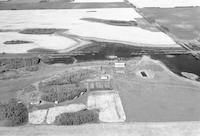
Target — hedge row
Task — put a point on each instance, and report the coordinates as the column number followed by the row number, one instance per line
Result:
column 13, row 113
column 39, row 31
column 61, row 93
column 77, row 118
column 70, row 78
column 16, row 42
column 15, row 63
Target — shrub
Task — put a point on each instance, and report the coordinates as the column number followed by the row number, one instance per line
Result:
column 77, row 118
column 61, row 93
column 14, row 113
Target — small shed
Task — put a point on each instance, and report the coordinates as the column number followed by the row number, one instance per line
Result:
column 105, row 77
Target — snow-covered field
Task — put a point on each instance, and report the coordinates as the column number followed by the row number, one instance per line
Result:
column 71, row 19
column 61, row 18
column 39, row 41
column 164, row 3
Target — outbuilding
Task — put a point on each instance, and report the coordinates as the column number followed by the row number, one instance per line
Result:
column 120, row 65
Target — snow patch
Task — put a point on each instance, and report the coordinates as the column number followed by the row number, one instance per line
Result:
column 55, row 111
column 39, row 41
column 37, row 117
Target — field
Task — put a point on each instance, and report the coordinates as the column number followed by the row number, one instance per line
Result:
column 137, row 129
column 182, row 22
column 165, row 3
column 37, row 41
column 61, row 4
column 83, row 32
column 165, row 97
column 73, row 31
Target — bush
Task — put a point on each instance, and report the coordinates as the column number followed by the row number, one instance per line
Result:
column 61, row 93
column 13, row 113
column 77, row 118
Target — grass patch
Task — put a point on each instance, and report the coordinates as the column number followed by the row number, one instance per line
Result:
column 32, row 68
column 12, row 74
column 77, row 118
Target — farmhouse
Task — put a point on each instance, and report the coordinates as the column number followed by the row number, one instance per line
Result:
column 120, row 65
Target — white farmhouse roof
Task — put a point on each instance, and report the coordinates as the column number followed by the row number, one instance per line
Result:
column 120, row 64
